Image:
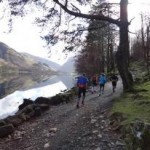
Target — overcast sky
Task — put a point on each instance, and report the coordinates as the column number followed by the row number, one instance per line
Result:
column 25, row 36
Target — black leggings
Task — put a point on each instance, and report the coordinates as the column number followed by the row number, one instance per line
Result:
column 81, row 91
column 102, row 87
column 114, row 83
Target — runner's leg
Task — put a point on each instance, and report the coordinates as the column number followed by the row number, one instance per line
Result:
column 79, row 96
column 103, row 88
column 83, row 98
column 114, row 85
column 100, row 89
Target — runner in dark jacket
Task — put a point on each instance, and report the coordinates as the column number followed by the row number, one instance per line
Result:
column 114, row 80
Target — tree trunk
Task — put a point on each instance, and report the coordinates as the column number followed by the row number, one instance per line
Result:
column 122, row 56
column 108, row 53
column 112, row 67
column 102, row 55
column 148, row 51
column 143, row 39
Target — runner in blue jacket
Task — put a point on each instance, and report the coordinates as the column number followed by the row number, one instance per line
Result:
column 102, row 81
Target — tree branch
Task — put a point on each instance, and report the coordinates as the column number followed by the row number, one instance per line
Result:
column 79, row 11
column 92, row 17
column 131, row 20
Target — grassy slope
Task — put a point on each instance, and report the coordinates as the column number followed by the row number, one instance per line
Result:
column 135, row 105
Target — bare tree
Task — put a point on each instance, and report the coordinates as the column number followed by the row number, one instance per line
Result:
column 141, row 45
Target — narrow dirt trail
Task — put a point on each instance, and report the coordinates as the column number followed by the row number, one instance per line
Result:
column 64, row 127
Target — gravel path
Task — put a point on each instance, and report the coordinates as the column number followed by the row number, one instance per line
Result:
column 64, row 127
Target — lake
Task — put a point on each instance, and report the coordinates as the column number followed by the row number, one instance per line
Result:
column 13, row 89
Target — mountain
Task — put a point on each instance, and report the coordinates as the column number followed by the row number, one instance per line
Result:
column 12, row 61
column 51, row 64
column 68, row 66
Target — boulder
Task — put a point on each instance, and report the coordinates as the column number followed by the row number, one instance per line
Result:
column 2, row 123
column 14, row 120
column 60, row 98
column 137, row 136
column 56, row 100
column 30, row 111
column 37, row 111
column 146, row 137
column 25, row 103
column 44, row 107
column 6, row 130
column 23, row 116
column 42, row 100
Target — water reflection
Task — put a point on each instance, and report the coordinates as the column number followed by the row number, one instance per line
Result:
column 45, row 87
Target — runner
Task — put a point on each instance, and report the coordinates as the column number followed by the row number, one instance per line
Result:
column 114, row 80
column 102, row 81
column 82, row 86
column 94, row 84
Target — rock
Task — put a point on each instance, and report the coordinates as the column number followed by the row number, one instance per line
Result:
column 2, row 123
column 138, row 136
column 9, row 136
column 37, row 111
column 25, row 103
column 14, row 120
column 53, row 130
column 47, row 145
column 47, row 135
column 29, row 111
column 118, row 143
column 102, row 127
column 18, row 134
column 103, row 121
column 6, row 130
column 116, row 126
column 98, row 148
column 93, row 121
column 112, row 143
column 86, row 134
column 101, row 116
column 95, row 131
column 42, row 100
column 99, row 135
column 60, row 98
column 56, row 100
column 23, row 116
column 96, row 125
column 44, row 107
column 117, row 117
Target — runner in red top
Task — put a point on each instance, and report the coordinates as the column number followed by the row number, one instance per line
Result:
column 82, row 85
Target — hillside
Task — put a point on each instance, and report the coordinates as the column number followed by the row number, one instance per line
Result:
column 68, row 66
column 52, row 65
column 12, row 61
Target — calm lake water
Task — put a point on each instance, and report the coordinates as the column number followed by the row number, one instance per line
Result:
column 14, row 89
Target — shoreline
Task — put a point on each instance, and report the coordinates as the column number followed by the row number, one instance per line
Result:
column 30, row 109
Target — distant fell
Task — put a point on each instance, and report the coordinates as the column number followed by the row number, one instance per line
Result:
column 51, row 64
column 13, row 61
column 69, row 66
